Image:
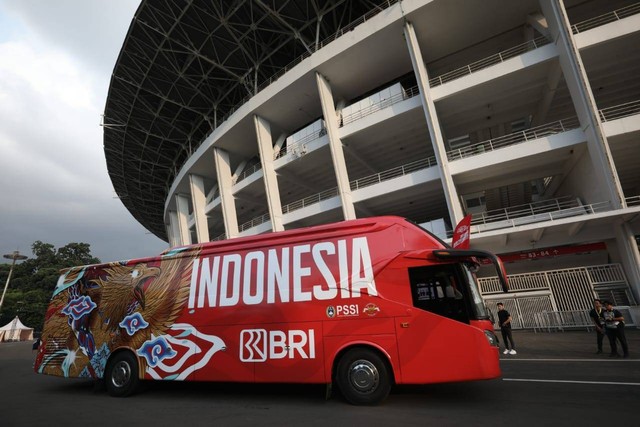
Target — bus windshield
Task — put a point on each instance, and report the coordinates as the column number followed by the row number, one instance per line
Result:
column 475, row 298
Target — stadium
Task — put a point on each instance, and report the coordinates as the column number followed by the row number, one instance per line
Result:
column 236, row 118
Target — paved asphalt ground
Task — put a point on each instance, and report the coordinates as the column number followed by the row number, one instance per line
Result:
column 555, row 379
column 568, row 345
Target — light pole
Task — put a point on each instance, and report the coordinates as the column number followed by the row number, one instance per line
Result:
column 14, row 256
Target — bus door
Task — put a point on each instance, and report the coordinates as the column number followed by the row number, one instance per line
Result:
column 436, row 342
column 439, row 289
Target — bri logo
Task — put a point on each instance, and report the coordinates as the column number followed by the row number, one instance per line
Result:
column 260, row 345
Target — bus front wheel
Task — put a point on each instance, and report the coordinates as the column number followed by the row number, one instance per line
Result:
column 363, row 377
column 121, row 376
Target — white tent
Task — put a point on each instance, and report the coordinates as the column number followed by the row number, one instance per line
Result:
column 16, row 331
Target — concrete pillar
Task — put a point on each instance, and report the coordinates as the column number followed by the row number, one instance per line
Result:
column 169, row 234
column 172, row 229
column 199, row 202
column 553, row 80
column 227, row 201
column 450, row 192
column 335, row 144
column 265, row 146
column 182, row 203
column 583, row 100
column 629, row 256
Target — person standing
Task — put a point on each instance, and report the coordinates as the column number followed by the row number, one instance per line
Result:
column 504, row 319
column 614, row 325
column 596, row 315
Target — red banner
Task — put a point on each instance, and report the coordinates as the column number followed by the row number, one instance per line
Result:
column 461, row 234
column 551, row 252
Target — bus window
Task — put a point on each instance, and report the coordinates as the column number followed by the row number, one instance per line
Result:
column 438, row 289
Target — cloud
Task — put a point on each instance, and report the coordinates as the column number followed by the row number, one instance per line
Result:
column 90, row 30
column 55, row 65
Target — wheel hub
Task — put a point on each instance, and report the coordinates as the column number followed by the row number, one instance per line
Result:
column 364, row 376
column 121, row 374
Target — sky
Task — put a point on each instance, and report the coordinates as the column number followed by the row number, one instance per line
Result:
column 56, row 59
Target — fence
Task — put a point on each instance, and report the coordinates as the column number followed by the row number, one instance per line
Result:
column 554, row 299
column 606, row 18
column 488, row 61
column 561, row 320
column 514, row 138
column 575, row 319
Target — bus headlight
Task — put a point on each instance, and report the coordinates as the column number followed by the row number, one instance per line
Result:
column 491, row 337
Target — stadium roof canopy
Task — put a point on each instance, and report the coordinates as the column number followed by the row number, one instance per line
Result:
column 186, row 65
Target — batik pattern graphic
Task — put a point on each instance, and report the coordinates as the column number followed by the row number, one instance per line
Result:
column 169, row 356
column 133, row 323
column 98, row 309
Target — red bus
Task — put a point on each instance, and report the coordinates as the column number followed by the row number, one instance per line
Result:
column 360, row 304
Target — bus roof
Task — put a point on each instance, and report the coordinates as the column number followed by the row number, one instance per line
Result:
column 323, row 231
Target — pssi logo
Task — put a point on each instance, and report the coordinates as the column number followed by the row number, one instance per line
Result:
column 260, row 345
column 344, row 310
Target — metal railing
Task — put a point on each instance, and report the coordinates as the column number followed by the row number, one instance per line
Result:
column 524, row 216
column 298, row 145
column 606, row 114
column 446, row 77
column 633, row 201
column 606, row 274
column 247, row 172
column 606, row 18
column 222, row 236
column 212, row 195
column 536, row 212
column 620, row 111
column 392, row 173
column 311, row 200
column 519, row 211
column 597, row 275
column 255, row 222
column 384, row 103
column 514, row 138
column 561, row 320
column 355, row 184
column 488, row 61
column 573, row 319
column 545, row 210
column 362, row 183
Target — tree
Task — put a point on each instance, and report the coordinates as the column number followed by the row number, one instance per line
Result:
column 76, row 254
column 34, row 279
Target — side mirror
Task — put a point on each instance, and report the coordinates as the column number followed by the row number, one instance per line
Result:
column 464, row 253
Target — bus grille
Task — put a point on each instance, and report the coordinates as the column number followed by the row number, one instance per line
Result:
column 52, row 352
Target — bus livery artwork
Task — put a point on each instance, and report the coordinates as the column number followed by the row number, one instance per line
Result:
column 132, row 305
column 362, row 304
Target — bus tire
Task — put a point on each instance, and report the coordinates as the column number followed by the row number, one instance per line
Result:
column 121, row 376
column 363, row 377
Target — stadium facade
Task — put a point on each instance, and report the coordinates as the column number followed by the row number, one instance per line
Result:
column 234, row 118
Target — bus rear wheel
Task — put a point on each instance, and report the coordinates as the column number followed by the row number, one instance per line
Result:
column 121, row 376
column 363, row 377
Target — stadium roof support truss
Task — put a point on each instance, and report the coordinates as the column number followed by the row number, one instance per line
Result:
column 185, row 65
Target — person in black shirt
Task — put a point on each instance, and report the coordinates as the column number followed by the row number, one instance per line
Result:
column 614, row 325
column 504, row 319
column 596, row 315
